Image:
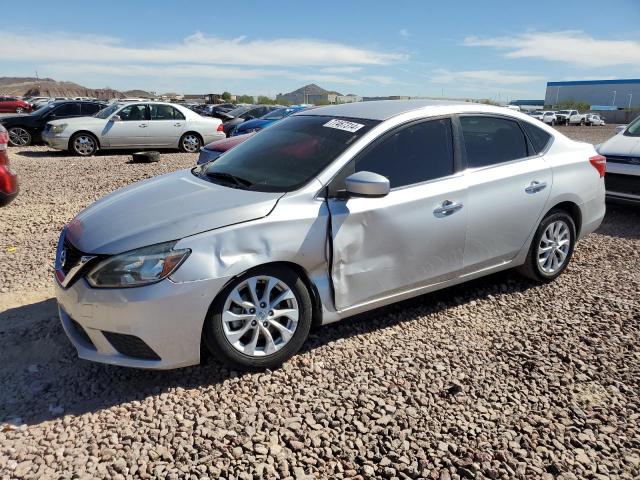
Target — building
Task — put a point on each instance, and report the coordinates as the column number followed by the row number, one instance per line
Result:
column 392, row 97
column 311, row 93
column 617, row 93
column 528, row 105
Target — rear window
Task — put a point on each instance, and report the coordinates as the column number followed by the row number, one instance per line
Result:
column 538, row 137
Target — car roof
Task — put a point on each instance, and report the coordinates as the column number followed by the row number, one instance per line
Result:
column 380, row 109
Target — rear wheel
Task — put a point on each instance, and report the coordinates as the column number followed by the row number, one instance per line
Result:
column 190, row 142
column 83, row 144
column 260, row 320
column 19, row 137
column 551, row 248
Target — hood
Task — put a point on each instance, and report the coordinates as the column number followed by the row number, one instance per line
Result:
column 85, row 122
column 622, row 145
column 164, row 208
column 227, row 143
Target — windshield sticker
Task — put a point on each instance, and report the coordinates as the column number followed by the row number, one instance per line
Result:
column 343, row 125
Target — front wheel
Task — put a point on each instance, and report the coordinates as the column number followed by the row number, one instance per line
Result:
column 19, row 137
column 19, row 110
column 190, row 143
column 83, row 144
column 260, row 320
column 551, row 248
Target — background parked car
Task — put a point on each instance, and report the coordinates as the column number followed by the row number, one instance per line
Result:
column 593, row 119
column 8, row 178
column 570, row 117
column 27, row 129
column 537, row 114
column 134, row 125
column 213, row 150
column 13, row 104
column 549, row 118
column 215, row 110
column 238, row 115
column 258, row 124
column 622, row 180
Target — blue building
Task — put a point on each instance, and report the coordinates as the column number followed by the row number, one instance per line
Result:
column 616, row 93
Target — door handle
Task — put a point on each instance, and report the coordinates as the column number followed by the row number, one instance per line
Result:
column 447, row 208
column 535, row 187
column 142, row 125
column 177, row 124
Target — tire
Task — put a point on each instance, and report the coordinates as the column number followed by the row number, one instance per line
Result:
column 145, row 157
column 19, row 109
column 19, row 137
column 582, row 123
column 243, row 343
column 83, row 144
column 190, row 142
column 546, row 238
column 553, row 123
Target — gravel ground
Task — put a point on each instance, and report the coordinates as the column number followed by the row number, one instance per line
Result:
column 498, row 378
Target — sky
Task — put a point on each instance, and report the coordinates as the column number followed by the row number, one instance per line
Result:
column 495, row 49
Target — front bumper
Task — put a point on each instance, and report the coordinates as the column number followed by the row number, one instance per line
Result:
column 57, row 141
column 166, row 317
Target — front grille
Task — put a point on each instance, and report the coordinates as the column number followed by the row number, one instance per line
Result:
column 72, row 256
column 625, row 160
column 82, row 333
column 131, row 346
column 628, row 184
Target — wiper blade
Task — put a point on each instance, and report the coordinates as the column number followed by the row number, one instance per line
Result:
column 240, row 182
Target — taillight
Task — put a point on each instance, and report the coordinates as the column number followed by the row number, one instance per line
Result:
column 599, row 162
column 220, row 128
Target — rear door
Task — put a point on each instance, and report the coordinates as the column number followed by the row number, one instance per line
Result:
column 166, row 125
column 410, row 238
column 509, row 184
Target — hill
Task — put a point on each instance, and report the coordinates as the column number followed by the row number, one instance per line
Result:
column 21, row 86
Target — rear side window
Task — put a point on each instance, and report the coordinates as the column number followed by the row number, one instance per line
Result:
column 538, row 137
column 492, row 140
column 90, row 108
column 412, row 154
column 165, row 112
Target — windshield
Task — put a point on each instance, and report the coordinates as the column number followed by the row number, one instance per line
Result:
column 289, row 154
column 237, row 111
column 44, row 108
column 634, row 128
column 276, row 114
column 106, row 112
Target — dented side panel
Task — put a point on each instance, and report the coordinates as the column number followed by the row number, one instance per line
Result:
column 390, row 244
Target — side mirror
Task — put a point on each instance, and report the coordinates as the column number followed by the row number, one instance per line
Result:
column 367, row 184
column 116, row 118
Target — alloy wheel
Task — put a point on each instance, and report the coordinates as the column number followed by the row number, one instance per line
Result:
column 554, row 247
column 19, row 110
column 191, row 143
column 19, row 137
column 260, row 316
column 84, row 145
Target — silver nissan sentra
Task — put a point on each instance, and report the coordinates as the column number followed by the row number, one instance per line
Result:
column 331, row 212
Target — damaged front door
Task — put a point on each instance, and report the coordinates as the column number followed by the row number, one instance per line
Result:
column 410, row 238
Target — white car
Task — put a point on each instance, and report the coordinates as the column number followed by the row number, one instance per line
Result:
column 570, row 117
column 593, row 119
column 134, row 125
column 623, row 164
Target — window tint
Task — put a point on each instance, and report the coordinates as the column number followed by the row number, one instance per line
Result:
column 90, row 108
column 412, row 154
column 491, row 140
column 539, row 138
column 165, row 112
column 67, row 110
column 134, row 113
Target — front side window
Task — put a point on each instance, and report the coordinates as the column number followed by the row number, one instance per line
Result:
column 134, row 113
column 296, row 150
column 491, row 140
column 90, row 108
column 412, row 154
column 107, row 112
column 67, row 110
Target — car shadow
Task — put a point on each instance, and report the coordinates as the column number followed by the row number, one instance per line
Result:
column 45, row 380
column 621, row 221
column 100, row 153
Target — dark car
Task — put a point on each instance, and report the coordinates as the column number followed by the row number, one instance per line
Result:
column 238, row 115
column 216, row 110
column 27, row 129
column 13, row 104
column 8, row 178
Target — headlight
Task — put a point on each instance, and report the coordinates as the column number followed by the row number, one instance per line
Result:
column 138, row 267
column 59, row 128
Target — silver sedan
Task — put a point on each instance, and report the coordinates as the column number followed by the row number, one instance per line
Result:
column 128, row 125
column 331, row 212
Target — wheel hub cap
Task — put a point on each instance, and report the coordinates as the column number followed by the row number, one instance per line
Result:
column 260, row 316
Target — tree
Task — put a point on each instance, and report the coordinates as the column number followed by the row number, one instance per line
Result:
column 264, row 100
column 226, row 96
column 244, row 99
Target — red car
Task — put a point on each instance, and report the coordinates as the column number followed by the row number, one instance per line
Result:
column 8, row 178
column 213, row 150
column 12, row 104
